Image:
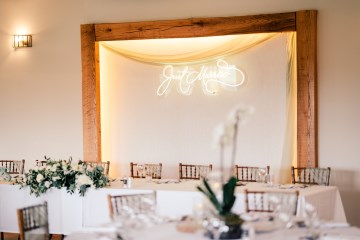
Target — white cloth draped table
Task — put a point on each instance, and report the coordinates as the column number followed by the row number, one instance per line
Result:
column 70, row 213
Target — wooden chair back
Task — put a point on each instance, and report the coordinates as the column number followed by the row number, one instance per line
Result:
column 262, row 201
column 33, row 222
column 154, row 168
column 311, row 176
column 124, row 205
column 13, row 166
column 248, row 174
column 104, row 165
column 193, row 171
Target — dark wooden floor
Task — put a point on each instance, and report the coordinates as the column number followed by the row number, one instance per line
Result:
column 13, row 236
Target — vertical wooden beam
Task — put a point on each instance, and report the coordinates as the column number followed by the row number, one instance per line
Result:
column 90, row 94
column 306, row 33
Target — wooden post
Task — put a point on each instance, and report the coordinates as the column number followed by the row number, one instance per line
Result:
column 90, row 94
column 306, row 41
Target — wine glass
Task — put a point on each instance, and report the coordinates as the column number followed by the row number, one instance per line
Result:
column 148, row 173
column 311, row 221
column 262, row 173
column 140, row 170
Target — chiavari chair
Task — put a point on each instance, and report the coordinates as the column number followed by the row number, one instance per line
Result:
column 248, row 174
column 193, row 171
column 270, row 201
column 136, row 203
column 310, row 176
column 33, row 222
column 155, row 170
column 104, row 165
column 13, row 166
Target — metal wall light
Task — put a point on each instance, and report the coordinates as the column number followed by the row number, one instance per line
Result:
column 21, row 41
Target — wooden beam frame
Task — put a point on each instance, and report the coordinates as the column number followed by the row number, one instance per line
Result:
column 303, row 22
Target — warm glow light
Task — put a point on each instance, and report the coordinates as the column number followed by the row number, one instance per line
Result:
column 211, row 78
column 22, row 41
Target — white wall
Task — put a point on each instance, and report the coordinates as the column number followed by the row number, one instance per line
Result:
column 140, row 126
column 40, row 88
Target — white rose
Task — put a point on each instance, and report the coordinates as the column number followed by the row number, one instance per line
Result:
column 39, row 178
column 53, row 168
column 47, row 184
column 75, row 165
column 83, row 180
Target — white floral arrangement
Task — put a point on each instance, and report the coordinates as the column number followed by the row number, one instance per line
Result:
column 4, row 175
column 73, row 175
column 225, row 134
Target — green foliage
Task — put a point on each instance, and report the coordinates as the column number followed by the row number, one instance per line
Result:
column 74, row 176
column 223, row 208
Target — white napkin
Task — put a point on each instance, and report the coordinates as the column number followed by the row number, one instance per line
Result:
column 160, row 181
column 100, row 229
column 334, row 224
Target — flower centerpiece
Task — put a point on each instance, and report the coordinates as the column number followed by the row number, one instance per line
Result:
column 4, row 175
column 226, row 135
column 73, row 175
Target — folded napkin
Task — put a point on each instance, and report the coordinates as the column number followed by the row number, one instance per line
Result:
column 162, row 181
column 292, row 186
column 335, row 224
column 104, row 229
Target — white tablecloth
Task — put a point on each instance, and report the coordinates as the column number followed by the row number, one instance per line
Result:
column 168, row 231
column 70, row 213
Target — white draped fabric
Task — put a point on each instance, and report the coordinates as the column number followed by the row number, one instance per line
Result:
column 222, row 47
column 195, row 51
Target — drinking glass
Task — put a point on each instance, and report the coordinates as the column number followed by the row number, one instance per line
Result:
column 311, row 221
column 140, row 169
column 148, row 174
column 262, row 173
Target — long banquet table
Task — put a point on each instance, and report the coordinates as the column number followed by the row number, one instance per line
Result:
column 71, row 213
column 168, row 231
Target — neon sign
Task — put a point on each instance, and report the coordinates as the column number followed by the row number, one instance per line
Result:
column 211, row 76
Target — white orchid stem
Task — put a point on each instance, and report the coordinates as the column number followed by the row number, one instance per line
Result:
column 222, row 160
column 234, row 145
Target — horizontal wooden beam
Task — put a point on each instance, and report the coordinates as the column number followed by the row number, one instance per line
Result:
column 196, row 27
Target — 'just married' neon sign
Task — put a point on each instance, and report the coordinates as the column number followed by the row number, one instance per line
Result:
column 211, row 76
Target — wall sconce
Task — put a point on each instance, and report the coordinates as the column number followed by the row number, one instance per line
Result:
column 22, row 41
